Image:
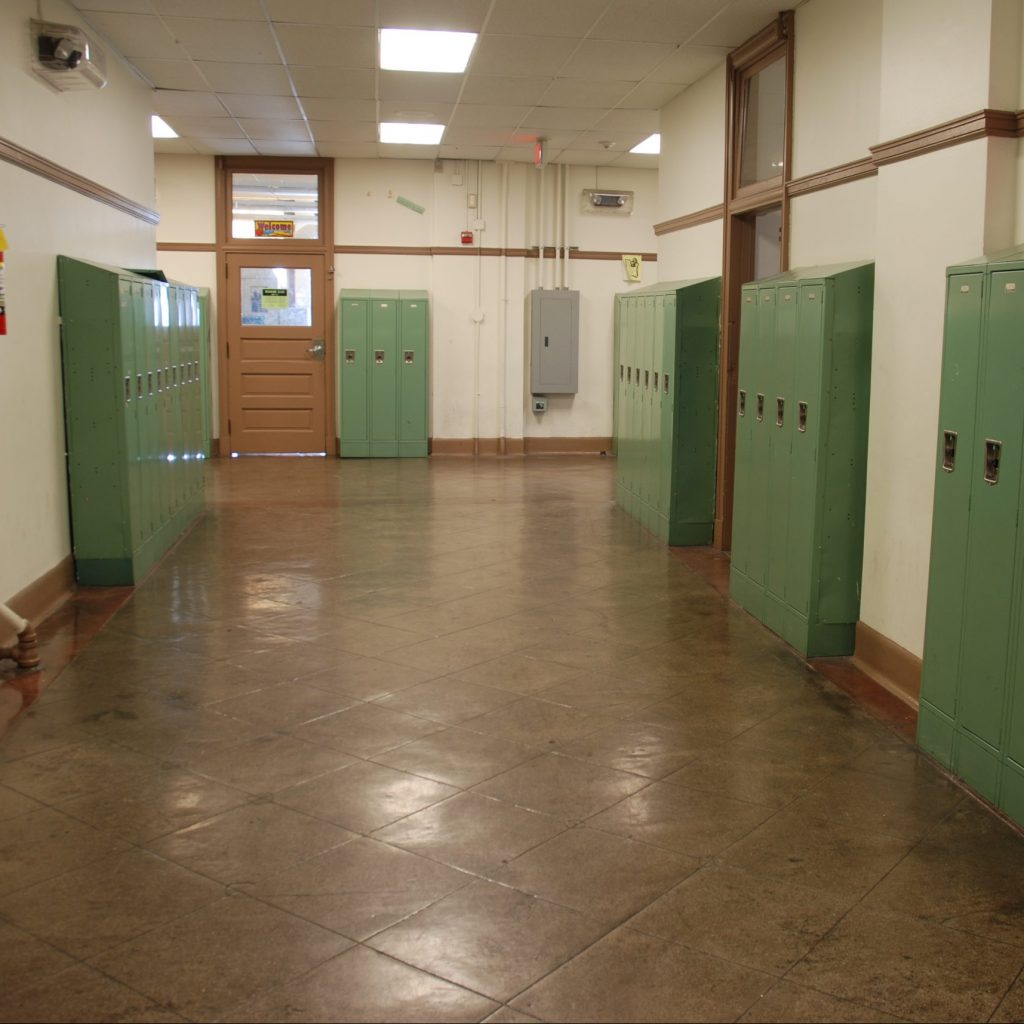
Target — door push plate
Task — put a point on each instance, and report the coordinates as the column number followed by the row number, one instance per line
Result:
column 760, row 408
column 949, row 450
column 378, row 356
column 743, row 402
column 350, row 355
column 993, row 451
column 780, row 409
column 801, row 417
column 408, row 356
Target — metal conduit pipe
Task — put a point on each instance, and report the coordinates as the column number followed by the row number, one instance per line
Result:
column 25, row 651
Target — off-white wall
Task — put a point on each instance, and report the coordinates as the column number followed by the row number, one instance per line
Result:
column 695, row 252
column 836, row 68
column 834, row 226
column 185, row 196
column 79, row 130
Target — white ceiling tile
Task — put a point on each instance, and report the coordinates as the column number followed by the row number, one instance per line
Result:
column 323, row 12
column 206, row 127
column 689, row 63
column 234, row 10
column 651, row 95
column 521, row 56
column 115, row 6
column 328, row 46
column 518, row 153
column 255, row 79
column 606, row 141
column 330, row 83
column 352, row 150
column 173, row 146
column 344, row 131
column 587, row 157
column 193, row 104
column 575, row 118
column 275, row 147
column 170, row 74
column 552, row 140
column 447, row 15
column 248, row 105
column 642, row 121
column 319, row 108
column 603, row 59
column 407, row 152
column 213, row 39
column 469, row 152
column 412, row 112
column 496, row 89
column 577, row 92
column 637, row 160
column 406, row 85
column 137, row 35
column 545, row 17
column 656, row 21
column 496, row 136
column 272, row 128
column 484, row 115
column 225, row 147
column 737, row 23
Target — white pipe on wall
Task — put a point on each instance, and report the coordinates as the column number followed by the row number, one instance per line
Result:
column 478, row 316
column 502, row 374
column 542, row 230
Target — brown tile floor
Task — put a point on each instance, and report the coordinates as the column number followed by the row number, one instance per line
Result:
column 458, row 741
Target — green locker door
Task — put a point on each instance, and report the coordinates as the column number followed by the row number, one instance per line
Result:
column 763, row 425
column 665, row 358
column 129, row 373
column 780, row 382
column 745, row 413
column 995, row 489
column 355, row 378
column 151, row 397
column 413, row 375
column 384, row 377
column 955, row 469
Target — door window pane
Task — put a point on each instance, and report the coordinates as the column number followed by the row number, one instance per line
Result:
column 275, row 206
column 764, row 125
column 277, row 296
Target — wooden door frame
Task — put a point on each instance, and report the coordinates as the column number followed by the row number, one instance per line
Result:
column 772, row 43
column 225, row 166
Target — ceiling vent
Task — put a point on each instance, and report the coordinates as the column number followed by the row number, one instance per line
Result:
column 66, row 58
column 607, row 200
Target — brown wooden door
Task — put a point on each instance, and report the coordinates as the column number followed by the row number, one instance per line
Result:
column 277, row 384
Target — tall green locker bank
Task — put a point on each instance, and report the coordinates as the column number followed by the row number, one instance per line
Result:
column 384, row 369
column 971, row 715
column 133, row 413
column 801, row 453
column 666, row 407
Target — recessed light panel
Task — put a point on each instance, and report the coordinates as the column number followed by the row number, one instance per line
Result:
column 411, row 134
column 161, row 129
column 407, row 49
column 652, row 144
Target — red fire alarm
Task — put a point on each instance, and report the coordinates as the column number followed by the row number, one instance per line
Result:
column 467, row 237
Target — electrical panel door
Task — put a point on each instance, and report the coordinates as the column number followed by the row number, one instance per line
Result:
column 554, row 323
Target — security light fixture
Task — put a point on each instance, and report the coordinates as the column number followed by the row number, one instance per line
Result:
column 161, row 129
column 411, row 134
column 408, row 49
column 652, row 144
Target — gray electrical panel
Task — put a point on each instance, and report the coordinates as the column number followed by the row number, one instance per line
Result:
column 553, row 319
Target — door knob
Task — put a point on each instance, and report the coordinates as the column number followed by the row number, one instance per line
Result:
column 317, row 351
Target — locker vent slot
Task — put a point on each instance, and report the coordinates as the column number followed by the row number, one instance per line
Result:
column 801, row 423
column 993, row 450
column 949, row 450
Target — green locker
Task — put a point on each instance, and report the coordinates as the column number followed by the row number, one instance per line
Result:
column 801, row 453
column 132, row 423
column 972, row 688
column 201, row 370
column 666, row 407
column 384, row 368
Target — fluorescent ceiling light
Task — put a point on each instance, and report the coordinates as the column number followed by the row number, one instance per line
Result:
column 161, row 129
column 407, row 49
column 411, row 134
column 652, row 144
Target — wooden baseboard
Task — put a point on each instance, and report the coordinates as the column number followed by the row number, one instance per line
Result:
column 45, row 595
column 567, row 445
column 491, row 446
column 890, row 665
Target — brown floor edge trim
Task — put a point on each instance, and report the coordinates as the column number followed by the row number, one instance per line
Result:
column 889, row 664
column 496, row 446
column 42, row 597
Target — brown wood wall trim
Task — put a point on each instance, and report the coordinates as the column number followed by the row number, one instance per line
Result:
column 186, row 246
column 442, row 250
column 36, row 164
column 763, row 43
column 42, row 597
column 889, row 664
column 691, row 220
column 492, row 446
column 1000, row 124
column 842, row 174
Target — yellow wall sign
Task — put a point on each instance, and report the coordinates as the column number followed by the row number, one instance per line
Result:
column 274, row 298
column 275, row 229
column 632, row 265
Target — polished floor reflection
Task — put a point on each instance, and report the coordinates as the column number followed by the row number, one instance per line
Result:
column 454, row 741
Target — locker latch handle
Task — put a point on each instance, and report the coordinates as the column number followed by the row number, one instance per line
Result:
column 636, row 376
column 949, row 450
column 993, row 450
column 546, row 341
column 780, row 410
column 629, row 374
column 127, row 389
column 801, row 417
column 408, row 355
column 743, row 402
column 666, row 383
column 622, row 372
column 378, row 356
column 350, row 355
column 138, row 385
column 760, row 407
column 655, row 380
column 647, row 378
